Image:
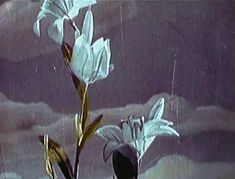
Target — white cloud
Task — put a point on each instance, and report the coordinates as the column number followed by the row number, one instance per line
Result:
column 9, row 175
column 208, row 118
column 2, row 97
column 20, row 145
column 44, row 177
column 175, row 167
column 22, row 116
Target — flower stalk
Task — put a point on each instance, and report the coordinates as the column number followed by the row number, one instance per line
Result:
column 78, row 148
column 61, row 10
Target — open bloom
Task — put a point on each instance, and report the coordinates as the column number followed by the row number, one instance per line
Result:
column 136, row 132
column 90, row 62
column 61, row 10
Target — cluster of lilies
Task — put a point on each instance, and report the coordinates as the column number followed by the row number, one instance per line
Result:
column 88, row 62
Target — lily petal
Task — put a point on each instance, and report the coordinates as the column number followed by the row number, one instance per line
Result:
column 36, row 25
column 110, row 133
column 127, row 132
column 146, row 144
column 152, row 128
column 82, row 59
column 67, row 5
column 88, row 26
column 43, row 13
column 79, row 4
column 166, row 130
column 56, row 7
column 56, row 30
column 157, row 110
column 109, row 148
column 97, row 46
column 163, row 122
column 104, row 66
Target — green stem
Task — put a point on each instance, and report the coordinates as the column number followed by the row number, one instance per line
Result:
column 78, row 149
column 83, row 106
column 76, row 166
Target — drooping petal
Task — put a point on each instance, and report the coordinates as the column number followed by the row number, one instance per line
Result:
column 154, row 128
column 88, row 26
column 43, row 13
column 110, row 133
column 157, row 110
column 56, row 30
column 79, row 4
column 166, row 130
column 82, row 59
column 163, row 122
column 56, row 7
column 63, row 5
column 36, row 25
column 66, row 5
column 109, row 148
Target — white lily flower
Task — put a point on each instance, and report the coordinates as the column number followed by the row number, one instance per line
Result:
column 90, row 62
column 61, row 10
column 136, row 132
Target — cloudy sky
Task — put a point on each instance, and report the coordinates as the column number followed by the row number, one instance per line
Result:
column 146, row 38
column 151, row 42
column 206, row 142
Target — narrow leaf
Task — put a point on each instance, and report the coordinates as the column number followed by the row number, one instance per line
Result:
column 91, row 129
column 76, row 83
column 78, row 127
column 48, row 163
column 56, row 154
column 85, row 105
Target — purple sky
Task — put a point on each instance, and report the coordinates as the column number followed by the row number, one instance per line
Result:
column 198, row 35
